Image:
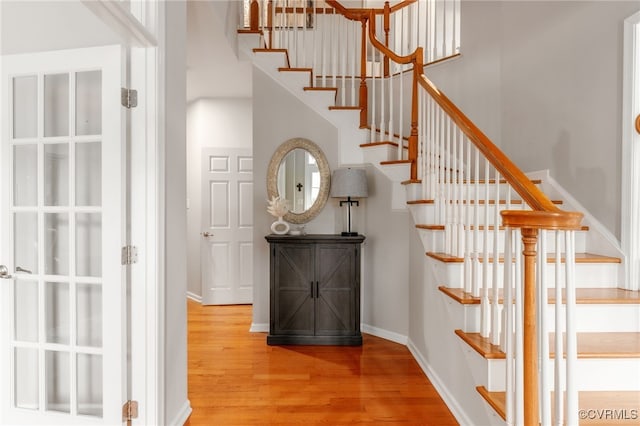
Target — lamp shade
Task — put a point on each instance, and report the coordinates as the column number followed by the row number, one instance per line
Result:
column 349, row 183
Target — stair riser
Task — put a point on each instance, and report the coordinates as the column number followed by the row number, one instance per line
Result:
column 376, row 154
column 271, row 61
column 601, row 374
column 589, row 318
column 396, row 172
column 427, row 213
column 588, row 275
column 434, row 240
column 464, row 191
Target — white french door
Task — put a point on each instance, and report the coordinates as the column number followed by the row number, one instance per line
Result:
column 63, row 293
column 227, row 226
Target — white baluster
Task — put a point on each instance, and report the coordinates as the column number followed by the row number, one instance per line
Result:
column 461, row 206
column 543, row 331
column 446, row 154
column 466, row 205
column 454, row 190
column 572, row 347
column 558, row 385
column 485, row 316
column 519, row 332
column 476, row 227
column 507, row 312
column 495, row 305
column 343, row 65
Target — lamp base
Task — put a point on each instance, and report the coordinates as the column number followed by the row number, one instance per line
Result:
column 349, row 234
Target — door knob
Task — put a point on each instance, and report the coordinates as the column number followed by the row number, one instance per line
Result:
column 638, row 123
column 207, row 234
column 4, row 273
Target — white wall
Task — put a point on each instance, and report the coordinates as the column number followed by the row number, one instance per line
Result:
column 543, row 79
column 218, row 123
column 562, row 96
column 175, row 259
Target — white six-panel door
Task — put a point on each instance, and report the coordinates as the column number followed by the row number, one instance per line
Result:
column 63, row 325
column 227, row 226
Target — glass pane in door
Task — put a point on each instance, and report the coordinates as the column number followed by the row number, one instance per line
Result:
column 25, row 107
column 56, row 240
column 56, row 105
column 56, row 309
column 26, row 315
column 89, row 244
column 57, row 381
column 89, row 103
column 25, row 240
column 90, row 385
column 25, row 175
column 26, row 367
column 89, row 315
column 88, row 174
column 56, row 174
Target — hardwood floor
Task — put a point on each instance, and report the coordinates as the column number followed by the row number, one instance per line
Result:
column 236, row 379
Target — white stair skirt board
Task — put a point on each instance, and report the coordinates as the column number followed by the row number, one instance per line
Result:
column 398, row 197
column 599, row 239
column 194, row 297
column 384, row 334
column 456, row 407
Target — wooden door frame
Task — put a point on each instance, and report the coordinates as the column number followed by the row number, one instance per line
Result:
column 630, row 208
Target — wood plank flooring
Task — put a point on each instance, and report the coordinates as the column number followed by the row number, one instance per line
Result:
column 236, row 379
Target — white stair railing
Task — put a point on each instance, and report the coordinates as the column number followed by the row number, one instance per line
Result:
column 450, row 154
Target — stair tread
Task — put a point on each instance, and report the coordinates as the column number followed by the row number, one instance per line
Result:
column 587, row 400
column 481, row 201
column 293, row 69
column 381, row 143
column 391, row 162
column 321, row 89
column 266, row 50
column 584, row 296
column 433, row 227
column 346, row 108
column 491, row 181
column 580, row 258
column 596, row 345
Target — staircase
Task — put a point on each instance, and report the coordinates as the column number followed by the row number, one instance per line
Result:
column 465, row 358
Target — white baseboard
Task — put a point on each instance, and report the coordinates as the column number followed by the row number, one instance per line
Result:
column 457, row 411
column 194, row 297
column 384, row 334
column 259, row 328
column 183, row 415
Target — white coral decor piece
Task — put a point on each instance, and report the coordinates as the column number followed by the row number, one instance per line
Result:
column 278, row 207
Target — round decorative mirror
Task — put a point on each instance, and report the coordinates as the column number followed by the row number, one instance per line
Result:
column 299, row 173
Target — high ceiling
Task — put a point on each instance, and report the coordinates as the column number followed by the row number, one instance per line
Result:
column 213, row 70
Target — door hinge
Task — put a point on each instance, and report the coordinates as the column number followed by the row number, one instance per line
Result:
column 129, row 255
column 129, row 411
column 128, row 98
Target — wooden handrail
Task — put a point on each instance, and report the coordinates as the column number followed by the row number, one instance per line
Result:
column 554, row 218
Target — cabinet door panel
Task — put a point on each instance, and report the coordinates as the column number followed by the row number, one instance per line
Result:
column 335, row 307
column 292, row 305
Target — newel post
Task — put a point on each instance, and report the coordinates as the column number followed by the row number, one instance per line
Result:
column 254, row 16
column 364, row 94
column 530, row 339
column 413, row 137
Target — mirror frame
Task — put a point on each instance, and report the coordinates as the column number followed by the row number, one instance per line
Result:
column 325, row 177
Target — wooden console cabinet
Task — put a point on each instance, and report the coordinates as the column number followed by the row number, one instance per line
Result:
column 315, row 290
